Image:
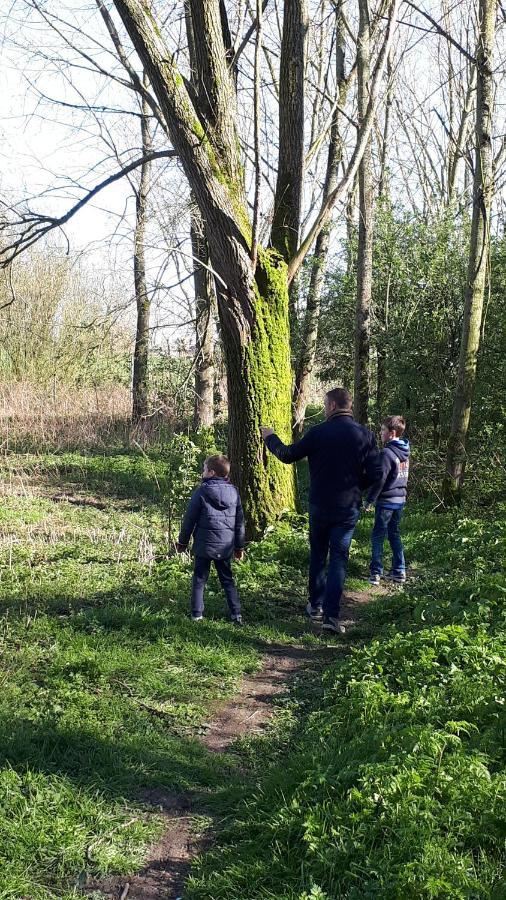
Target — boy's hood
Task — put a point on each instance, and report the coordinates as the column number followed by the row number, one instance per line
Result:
column 218, row 492
column 399, row 446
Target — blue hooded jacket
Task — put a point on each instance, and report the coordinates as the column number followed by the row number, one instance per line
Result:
column 392, row 489
column 215, row 518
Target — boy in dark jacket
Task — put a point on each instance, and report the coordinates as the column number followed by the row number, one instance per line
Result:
column 389, row 495
column 215, row 518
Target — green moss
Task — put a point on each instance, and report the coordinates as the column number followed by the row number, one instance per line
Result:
column 267, row 364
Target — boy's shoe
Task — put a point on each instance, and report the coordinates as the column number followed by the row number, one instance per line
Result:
column 334, row 625
column 398, row 577
column 314, row 612
column 197, row 617
column 237, row 620
column 374, row 579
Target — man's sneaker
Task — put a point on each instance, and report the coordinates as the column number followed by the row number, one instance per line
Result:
column 314, row 612
column 197, row 617
column 398, row 577
column 334, row 625
column 374, row 579
column 237, row 620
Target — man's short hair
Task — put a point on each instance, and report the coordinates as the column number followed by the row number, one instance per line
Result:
column 341, row 397
column 395, row 423
column 219, row 464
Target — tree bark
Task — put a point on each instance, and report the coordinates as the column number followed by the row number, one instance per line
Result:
column 365, row 228
column 382, row 311
column 140, row 378
column 457, row 152
column 205, row 308
column 478, row 256
column 252, row 303
column 285, row 232
column 307, row 354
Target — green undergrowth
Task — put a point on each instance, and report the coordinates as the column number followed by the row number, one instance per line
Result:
column 395, row 786
column 383, row 778
column 105, row 681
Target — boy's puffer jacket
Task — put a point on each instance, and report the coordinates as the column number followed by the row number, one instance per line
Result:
column 215, row 518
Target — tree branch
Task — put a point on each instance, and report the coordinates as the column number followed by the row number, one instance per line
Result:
column 36, row 226
column 442, row 32
column 362, row 139
column 125, row 62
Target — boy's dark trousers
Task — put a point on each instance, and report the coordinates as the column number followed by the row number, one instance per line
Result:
column 201, row 569
column 386, row 523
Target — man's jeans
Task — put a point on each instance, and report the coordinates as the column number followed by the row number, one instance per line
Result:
column 201, row 569
column 387, row 522
column 329, row 533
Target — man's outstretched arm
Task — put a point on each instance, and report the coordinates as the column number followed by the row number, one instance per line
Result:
column 287, row 453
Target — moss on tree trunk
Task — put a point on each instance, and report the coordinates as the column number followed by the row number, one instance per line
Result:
column 259, row 393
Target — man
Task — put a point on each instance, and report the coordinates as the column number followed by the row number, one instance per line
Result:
column 343, row 461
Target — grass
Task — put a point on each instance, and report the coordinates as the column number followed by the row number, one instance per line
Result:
column 105, row 680
column 396, row 785
column 386, row 779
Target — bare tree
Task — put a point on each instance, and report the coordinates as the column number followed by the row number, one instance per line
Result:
column 202, row 123
column 307, row 353
column 142, row 299
column 365, row 227
column 205, row 312
column 478, row 254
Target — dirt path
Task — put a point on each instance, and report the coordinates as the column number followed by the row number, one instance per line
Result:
column 247, row 712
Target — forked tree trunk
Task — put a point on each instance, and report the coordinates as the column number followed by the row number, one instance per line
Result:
column 365, row 226
column 252, row 304
column 140, row 385
column 478, row 256
column 205, row 311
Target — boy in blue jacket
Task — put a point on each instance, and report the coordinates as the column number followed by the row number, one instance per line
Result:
column 389, row 495
column 215, row 518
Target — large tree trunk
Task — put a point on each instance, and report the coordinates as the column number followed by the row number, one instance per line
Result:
column 285, row 232
column 307, row 353
column 142, row 299
column 259, row 392
column 252, row 303
column 205, row 310
column 478, row 256
column 365, row 229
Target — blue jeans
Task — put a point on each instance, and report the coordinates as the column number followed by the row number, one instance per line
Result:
column 329, row 535
column 387, row 522
column 201, row 569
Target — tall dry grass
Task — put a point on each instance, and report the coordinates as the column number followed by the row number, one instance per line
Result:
column 61, row 418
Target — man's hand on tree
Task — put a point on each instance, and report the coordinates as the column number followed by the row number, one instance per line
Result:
column 239, row 555
column 266, row 432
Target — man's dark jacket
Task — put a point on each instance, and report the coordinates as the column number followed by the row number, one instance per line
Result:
column 215, row 518
column 343, row 461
